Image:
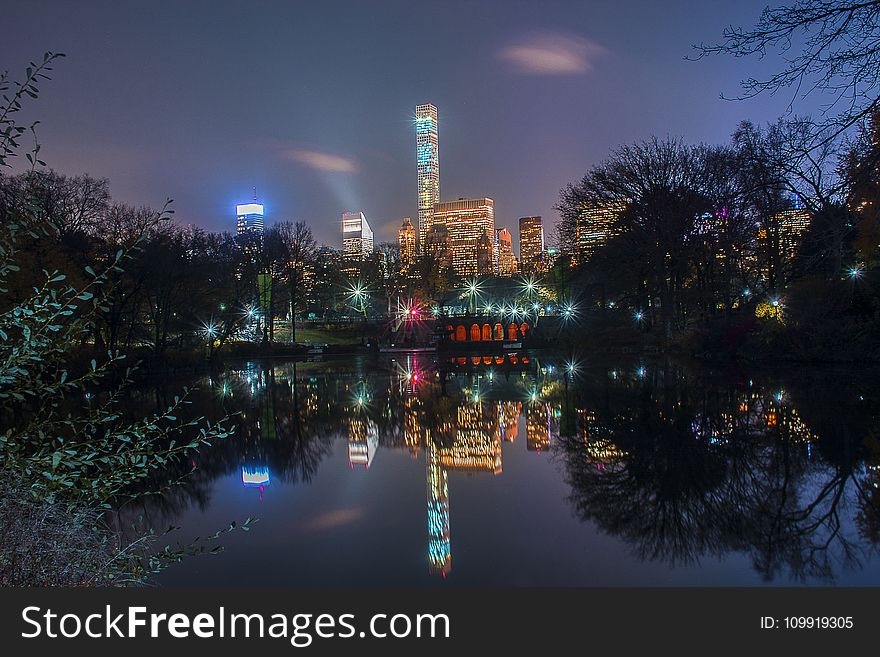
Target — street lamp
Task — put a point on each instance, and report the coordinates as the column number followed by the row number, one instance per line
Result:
column 472, row 289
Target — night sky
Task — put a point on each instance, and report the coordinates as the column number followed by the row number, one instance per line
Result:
column 312, row 103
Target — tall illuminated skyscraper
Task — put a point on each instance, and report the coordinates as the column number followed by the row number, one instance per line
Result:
column 357, row 236
column 406, row 242
column 249, row 228
column 249, row 219
column 466, row 220
column 531, row 245
column 428, row 164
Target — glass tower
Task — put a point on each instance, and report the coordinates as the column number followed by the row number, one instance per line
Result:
column 428, row 164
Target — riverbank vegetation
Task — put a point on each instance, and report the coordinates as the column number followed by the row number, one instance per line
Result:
column 66, row 456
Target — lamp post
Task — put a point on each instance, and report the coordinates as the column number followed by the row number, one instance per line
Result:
column 473, row 289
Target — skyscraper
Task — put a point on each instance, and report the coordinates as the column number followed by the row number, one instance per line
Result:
column 249, row 219
column 357, row 236
column 249, row 228
column 595, row 226
column 465, row 220
column 485, row 255
column 437, row 246
column 428, row 165
column 406, row 242
column 792, row 224
column 506, row 259
column 531, row 245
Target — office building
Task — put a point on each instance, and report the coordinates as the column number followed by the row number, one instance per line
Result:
column 357, row 236
column 531, row 245
column 406, row 242
column 596, row 224
column 507, row 265
column 466, row 220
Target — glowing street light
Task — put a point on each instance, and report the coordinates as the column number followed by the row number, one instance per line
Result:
column 472, row 289
column 357, row 294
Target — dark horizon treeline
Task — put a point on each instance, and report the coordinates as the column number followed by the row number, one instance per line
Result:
column 177, row 280
column 700, row 254
column 700, row 241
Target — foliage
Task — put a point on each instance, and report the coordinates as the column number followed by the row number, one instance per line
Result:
column 63, row 458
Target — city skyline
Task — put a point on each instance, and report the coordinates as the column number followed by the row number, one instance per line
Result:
column 557, row 92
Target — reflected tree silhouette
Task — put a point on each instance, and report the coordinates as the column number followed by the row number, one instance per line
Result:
column 680, row 471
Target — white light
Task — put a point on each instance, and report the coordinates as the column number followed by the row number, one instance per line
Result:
column 249, row 208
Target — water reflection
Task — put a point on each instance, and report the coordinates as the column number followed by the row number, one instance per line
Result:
column 678, row 464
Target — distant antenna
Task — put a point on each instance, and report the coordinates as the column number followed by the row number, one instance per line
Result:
column 255, row 193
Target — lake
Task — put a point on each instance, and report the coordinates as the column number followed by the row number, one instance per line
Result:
column 525, row 469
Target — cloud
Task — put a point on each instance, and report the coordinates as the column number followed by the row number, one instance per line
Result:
column 552, row 53
column 334, row 519
column 322, row 161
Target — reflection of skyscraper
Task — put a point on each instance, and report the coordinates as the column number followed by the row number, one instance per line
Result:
column 537, row 427
column 508, row 419
column 600, row 445
column 439, row 546
column 531, row 245
column 254, row 476
column 466, row 220
column 363, row 439
column 477, row 444
column 428, row 166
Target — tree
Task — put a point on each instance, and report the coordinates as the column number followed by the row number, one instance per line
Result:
column 665, row 187
column 298, row 251
column 64, row 459
column 835, row 54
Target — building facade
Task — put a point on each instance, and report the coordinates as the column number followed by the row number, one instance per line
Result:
column 357, row 236
column 466, row 220
column 406, row 242
column 249, row 219
column 428, row 167
column 792, row 225
column 485, row 255
column 531, row 245
column 507, row 265
column 437, row 246
column 596, row 224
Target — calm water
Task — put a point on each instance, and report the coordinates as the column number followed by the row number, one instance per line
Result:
column 515, row 471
